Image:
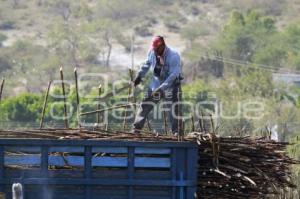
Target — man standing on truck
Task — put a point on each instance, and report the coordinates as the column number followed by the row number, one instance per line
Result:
column 165, row 65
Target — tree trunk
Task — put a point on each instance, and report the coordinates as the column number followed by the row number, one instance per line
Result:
column 108, row 43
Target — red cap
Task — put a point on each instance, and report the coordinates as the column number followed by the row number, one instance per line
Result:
column 156, row 42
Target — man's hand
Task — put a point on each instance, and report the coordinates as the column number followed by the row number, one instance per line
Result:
column 157, row 93
column 137, row 81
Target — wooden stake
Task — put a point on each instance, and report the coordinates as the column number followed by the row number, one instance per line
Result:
column 148, row 124
column 212, row 123
column 165, row 122
column 182, row 127
column 179, row 115
column 192, row 123
column 77, row 97
column 1, row 88
column 131, row 73
column 200, row 125
column 128, row 100
column 45, row 105
column 64, row 94
column 98, row 106
column 204, row 128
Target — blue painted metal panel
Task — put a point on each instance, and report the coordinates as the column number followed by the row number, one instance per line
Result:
column 2, row 169
column 104, row 182
column 66, row 161
column 22, row 160
column 109, row 161
column 56, row 160
column 67, row 149
column 143, row 150
column 152, row 162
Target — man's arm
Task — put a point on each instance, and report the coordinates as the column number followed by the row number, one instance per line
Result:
column 175, row 71
column 145, row 67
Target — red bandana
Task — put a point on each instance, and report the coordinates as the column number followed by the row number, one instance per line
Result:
column 156, row 42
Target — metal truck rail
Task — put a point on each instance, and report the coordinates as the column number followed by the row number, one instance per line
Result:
column 90, row 169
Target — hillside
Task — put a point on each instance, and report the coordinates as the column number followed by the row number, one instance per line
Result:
column 90, row 30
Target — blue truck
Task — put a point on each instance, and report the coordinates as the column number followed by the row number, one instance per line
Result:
column 98, row 169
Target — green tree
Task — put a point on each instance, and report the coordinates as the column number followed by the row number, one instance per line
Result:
column 105, row 31
column 193, row 31
column 292, row 42
column 273, row 54
column 23, row 108
column 245, row 34
column 67, row 40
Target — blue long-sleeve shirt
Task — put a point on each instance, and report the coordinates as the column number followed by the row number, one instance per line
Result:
column 169, row 72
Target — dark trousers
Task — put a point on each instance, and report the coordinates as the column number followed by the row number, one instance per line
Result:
column 148, row 103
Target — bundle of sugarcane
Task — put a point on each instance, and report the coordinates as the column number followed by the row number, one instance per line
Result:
column 86, row 134
column 241, row 167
